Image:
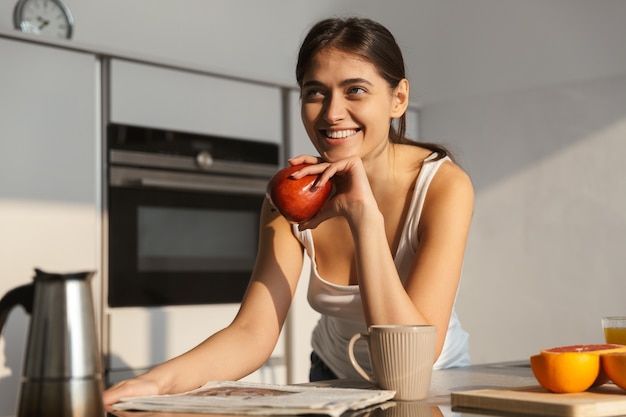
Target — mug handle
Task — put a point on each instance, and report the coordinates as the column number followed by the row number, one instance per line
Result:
column 355, row 364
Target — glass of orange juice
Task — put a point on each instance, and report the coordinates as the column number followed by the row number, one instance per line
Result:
column 614, row 330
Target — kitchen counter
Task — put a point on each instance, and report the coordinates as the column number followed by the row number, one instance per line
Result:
column 443, row 382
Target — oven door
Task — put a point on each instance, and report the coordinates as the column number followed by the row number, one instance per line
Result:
column 179, row 238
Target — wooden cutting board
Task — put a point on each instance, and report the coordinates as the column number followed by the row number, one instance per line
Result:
column 605, row 401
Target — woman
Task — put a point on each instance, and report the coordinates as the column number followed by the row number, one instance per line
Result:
column 383, row 250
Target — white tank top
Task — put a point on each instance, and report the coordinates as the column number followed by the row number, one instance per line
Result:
column 341, row 309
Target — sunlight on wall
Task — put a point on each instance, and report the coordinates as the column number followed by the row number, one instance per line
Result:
column 560, row 257
column 59, row 238
column 54, row 236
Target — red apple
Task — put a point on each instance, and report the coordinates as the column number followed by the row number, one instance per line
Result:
column 294, row 198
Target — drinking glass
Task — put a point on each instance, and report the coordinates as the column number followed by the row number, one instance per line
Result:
column 614, row 330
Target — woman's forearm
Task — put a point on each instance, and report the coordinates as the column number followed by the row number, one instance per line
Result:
column 226, row 355
column 385, row 300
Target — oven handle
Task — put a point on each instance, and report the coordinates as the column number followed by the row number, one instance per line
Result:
column 137, row 177
column 202, row 163
column 233, row 187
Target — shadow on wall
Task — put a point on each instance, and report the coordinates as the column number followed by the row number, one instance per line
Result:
column 496, row 136
column 549, row 227
column 14, row 338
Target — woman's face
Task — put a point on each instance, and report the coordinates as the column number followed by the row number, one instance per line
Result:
column 347, row 106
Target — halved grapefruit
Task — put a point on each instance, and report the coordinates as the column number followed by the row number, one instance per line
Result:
column 599, row 348
column 565, row 372
column 596, row 349
column 614, row 365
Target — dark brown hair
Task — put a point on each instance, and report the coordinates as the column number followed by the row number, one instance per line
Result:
column 371, row 41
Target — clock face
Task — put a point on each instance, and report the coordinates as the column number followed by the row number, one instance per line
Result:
column 45, row 17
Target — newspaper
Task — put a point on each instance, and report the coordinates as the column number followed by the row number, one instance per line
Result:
column 228, row 397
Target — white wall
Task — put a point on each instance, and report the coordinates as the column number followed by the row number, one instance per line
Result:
column 546, row 255
column 530, row 94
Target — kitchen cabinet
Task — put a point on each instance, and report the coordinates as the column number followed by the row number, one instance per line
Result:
column 177, row 99
column 49, row 178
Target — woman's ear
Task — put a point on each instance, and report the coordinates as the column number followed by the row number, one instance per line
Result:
column 401, row 98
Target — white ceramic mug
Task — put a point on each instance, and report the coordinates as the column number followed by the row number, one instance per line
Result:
column 402, row 358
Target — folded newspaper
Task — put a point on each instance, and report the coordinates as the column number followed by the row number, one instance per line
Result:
column 227, row 397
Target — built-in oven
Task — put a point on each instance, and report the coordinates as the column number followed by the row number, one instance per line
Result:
column 183, row 214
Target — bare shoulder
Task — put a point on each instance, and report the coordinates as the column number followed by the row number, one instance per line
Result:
column 452, row 174
column 451, row 185
column 450, row 177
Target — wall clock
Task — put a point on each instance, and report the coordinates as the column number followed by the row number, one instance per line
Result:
column 44, row 17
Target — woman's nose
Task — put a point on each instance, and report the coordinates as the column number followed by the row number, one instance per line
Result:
column 335, row 110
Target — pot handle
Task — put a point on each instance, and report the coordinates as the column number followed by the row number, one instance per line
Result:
column 21, row 295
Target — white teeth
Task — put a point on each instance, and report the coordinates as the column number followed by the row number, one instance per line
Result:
column 338, row 134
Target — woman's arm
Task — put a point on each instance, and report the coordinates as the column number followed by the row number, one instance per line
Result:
column 427, row 295
column 249, row 340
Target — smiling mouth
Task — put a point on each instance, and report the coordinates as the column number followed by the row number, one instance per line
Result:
column 339, row 134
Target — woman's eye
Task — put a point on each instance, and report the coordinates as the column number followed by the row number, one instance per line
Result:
column 312, row 93
column 356, row 90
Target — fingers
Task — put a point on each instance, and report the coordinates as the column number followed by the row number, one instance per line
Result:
column 113, row 394
column 304, row 159
column 128, row 388
column 320, row 217
column 316, row 167
column 350, row 184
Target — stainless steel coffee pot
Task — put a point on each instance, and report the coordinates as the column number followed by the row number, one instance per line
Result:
column 62, row 370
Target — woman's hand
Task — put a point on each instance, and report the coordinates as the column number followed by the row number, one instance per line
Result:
column 352, row 192
column 130, row 388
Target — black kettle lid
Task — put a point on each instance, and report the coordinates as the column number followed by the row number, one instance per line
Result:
column 42, row 275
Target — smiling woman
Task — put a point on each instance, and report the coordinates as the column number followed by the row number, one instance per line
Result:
column 377, row 71
column 385, row 248
column 345, row 115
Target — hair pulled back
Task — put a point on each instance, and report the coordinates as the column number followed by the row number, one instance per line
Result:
column 371, row 41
